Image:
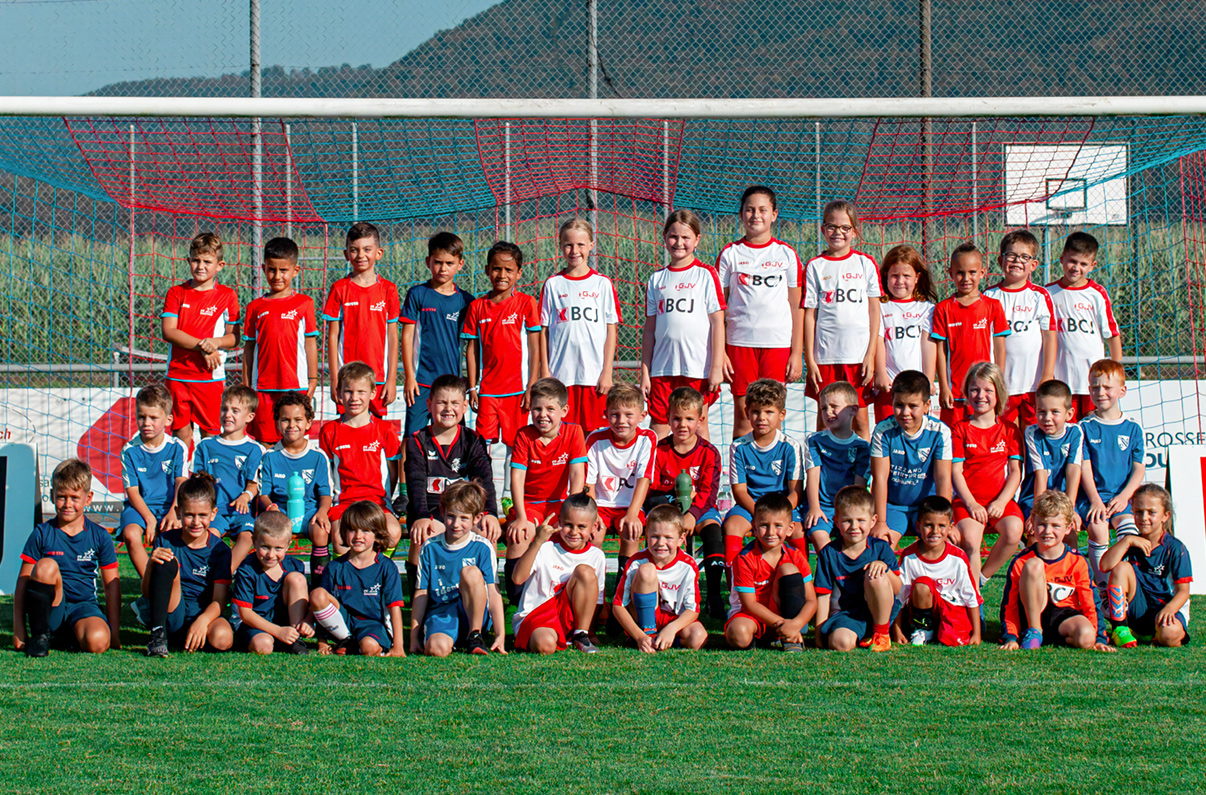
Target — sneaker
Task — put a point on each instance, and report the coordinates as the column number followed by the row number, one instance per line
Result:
column 920, row 637
column 37, row 645
column 298, row 647
column 476, row 644
column 1031, row 639
column 793, row 648
column 157, row 646
column 1123, row 637
column 341, row 647
column 401, row 503
column 583, row 643
column 880, row 642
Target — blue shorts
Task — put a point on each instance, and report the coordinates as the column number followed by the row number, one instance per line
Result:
column 280, row 617
column 65, row 615
column 737, row 510
column 185, row 613
column 449, row 618
column 362, row 628
column 129, row 516
column 901, row 518
column 1082, row 508
column 1141, row 615
column 232, row 524
column 710, row 515
column 417, row 417
column 858, row 622
column 825, row 524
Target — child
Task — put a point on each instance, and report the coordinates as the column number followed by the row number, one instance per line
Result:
column 1048, row 592
column 549, row 462
column 1112, row 466
column 234, row 461
column 1030, row 348
column 368, row 612
column 188, row 577
column 270, row 592
column 431, row 326
column 503, row 329
column 657, row 595
column 364, row 453
column 685, row 450
column 562, row 576
column 762, row 462
column 906, row 318
column 1150, row 575
column 1052, row 448
column 837, row 457
column 152, row 466
column 762, row 279
column 362, row 318
column 619, row 468
column 683, row 339
column 280, row 339
column 910, row 458
column 579, row 310
column 968, row 328
column 292, row 455
column 840, row 319
column 1083, row 316
column 940, row 602
column 457, row 597
column 986, row 472
column 772, row 582
column 200, row 319
column 56, row 585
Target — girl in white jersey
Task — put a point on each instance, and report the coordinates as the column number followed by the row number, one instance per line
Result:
column 906, row 314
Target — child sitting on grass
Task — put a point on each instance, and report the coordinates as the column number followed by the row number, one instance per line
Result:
column 270, row 592
column 940, row 600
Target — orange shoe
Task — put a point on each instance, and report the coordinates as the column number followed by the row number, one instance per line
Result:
column 880, row 642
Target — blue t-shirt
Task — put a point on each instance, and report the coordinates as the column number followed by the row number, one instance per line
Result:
column 278, row 464
column 1050, row 453
column 843, row 577
column 911, row 459
column 440, row 566
column 364, row 593
column 201, row 568
column 1159, row 573
column 80, row 557
column 437, row 319
column 840, row 462
column 233, row 465
column 153, row 471
column 1112, row 447
column 255, row 589
column 767, row 470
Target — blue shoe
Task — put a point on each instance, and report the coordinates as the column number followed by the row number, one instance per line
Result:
column 1031, row 639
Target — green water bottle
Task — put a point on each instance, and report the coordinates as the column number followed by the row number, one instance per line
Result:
column 682, row 490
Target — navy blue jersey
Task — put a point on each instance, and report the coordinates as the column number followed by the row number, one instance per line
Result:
column 840, row 462
column 843, row 577
column 201, row 568
column 255, row 589
column 365, row 593
column 437, row 319
column 153, row 471
column 1112, row 447
column 233, row 465
column 767, row 470
column 278, row 464
column 80, row 557
column 911, row 459
column 1050, row 453
column 440, row 566
column 1159, row 573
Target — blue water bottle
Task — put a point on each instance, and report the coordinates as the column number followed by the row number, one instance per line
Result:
column 295, row 508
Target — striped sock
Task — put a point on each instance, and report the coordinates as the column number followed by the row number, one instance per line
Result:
column 330, row 619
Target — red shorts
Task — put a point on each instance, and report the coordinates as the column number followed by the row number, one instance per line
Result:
column 587, row 408
column 500, row 418
column 196, row 402
column 659, row 395
column 610, row 518
column 262, row 427
column 337, row 510
column 950, row 416
column 1021, row 410
column 1011, row 509
column 750, row 364
column 537, row 512
column 953, row 622
column 883, row 405
column 556, row 614
column 377, row 407
column 1082, row 406
column 759, row 627
column 832, row 373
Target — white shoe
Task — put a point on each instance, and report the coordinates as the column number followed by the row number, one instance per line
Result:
column 920, row 637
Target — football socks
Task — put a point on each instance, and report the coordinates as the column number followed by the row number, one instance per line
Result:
column 162, row 577
column 646, row 611
column 330, row 619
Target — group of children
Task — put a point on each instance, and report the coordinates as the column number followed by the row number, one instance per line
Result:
column 581, row 466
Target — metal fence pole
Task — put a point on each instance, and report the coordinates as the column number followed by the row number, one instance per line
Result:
column 288, row 181
column 926, row 89
column 130, row 305
column 593, row 54
column 507, row 182
column 355, row 174
column 257, row 150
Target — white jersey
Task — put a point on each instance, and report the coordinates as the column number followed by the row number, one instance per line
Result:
column 614, row 470
column 1083, row 316
column 551, row 570
column 903, row 325
column 682, row 301
column 950, row 573
column 1029, row 312
column 839, row 289
column 677, row 583
column 758, row 278
column 576, row 312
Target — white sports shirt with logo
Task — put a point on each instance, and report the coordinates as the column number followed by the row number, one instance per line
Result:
column 577, row 310
column 1029, row 312
column 1083, row 316
column 682, row 300
column 838, row 289
column 551, row 570
column 758, row 278
column 614, row 470
column 903, row 326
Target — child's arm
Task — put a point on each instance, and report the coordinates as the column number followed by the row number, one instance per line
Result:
column 173, row 335
column 666, row 636
column 1115, row 346
column 23, row 575
column 812, row 492
column 417, row 613
column 199, row 629
column 311, row 366
column 812, row 371
column 498, row 617
column 170, row 520
column 471, row 356
column 620, row 612
column 716, row 327
column 973, row 617
column 630, row 525
column 1114, row 555
column 545, row 370
column 741, row 496
column 946, row 398
column 391, row 466
column 533, row 369
column 794, row 491
column 880, row 469
column 577, row 477
column 998, row 351
column 882, row 382
column 944, row 478
column 111, row 582
column 333, row 358
column 795, row 364
column 647, row 354
column 752, row 607
column 1050, row 349
column 1097, row 508
column 523, row 569
column 929, row 358
column 1168, row 614
column 254, row 620
column 521, row 520
column 821, row 617
column 320, row 515
column 609, row 355
column 872, row 343
column 411, row 389
column 390, row 393
column 398, row 648
column 996, row 508
column 1041, row 476
column 1123, row 498
column 158, row 555
column 248, row 359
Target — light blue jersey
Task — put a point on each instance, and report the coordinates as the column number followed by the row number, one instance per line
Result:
column 440, row 566
column 1112, row 447
column 233, row 465
column 767, row 470
column 911, row 459
column 840, row 461
column 153, row 471
column 278, row 464
column 1050, row 453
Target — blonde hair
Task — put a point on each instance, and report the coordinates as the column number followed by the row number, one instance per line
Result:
column 72, row 474
column 666, row 515
column 625, row 395
column 1158, row 493
column 580, row 224
column 272, row 524
column 356, row 371
column 1053, row 503
column 987, row 371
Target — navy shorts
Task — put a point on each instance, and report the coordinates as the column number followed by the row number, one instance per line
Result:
column 858, row 622
column 185, row 613
column 825, row 524
column 449, row 618
column 65, row 615
column 232, row 524
column 417, row 417
column 362, row 628
column 130, row 516
column 280, row 617
column 1141, row 615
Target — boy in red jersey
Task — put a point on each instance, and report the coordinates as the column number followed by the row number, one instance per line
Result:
column 549, row 462
column 200, row 320
column 968, row 328
column 280, row 339
column 364, row 453
column 362, row 312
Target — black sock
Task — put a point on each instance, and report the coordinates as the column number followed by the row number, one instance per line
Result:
column 923, row 619
column 318, row 564
column 713, row 548
column 412, row 578
column 513, row 590
column 162, row 576
column 39, row 597
column 791, row 595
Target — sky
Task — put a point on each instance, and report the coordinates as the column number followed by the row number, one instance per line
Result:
column 67, row 47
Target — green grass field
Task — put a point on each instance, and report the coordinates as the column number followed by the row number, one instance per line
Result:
column 914, row 720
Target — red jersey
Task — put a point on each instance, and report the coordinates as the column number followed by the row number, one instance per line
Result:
column 279, row 327
column 358, row 459
column 968, row 332
column 547, row 463
column 203, row 314
column 1068, row 585
column 752, row 574
column 502, row 330
column 985, row 453
column 364, row 315
column 702, row 464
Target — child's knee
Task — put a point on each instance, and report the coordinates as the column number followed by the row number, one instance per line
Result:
column 739, row 634
column 1121, row 573
column 45, row 571
column 736, row 526
column 261, row 644
column 1009, row 530
column 296, row 579
column 646, row 576
column 543, row 642
column 319, row 534
column 922, row 595
column 694, row 636
column 1098, row 532
column 585, row 574
column 220, row 637
column 95, row 639
column 472, row 576
column 1034, row 568
column 970, row 532
column 393, row 530
column 1084, row 637
column 788, row 568
column 320, row 598
column 370, row 648
column 438, row 645
column 1172, row 635
column 842, row 640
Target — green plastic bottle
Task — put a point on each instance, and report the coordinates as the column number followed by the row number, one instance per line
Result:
column 682, row 490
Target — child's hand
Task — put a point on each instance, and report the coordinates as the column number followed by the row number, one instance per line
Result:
column 213, row 360
column 882, row 383
column 170, row 521
column 1140, row 543
column 996, row 509
column 207, row 346
column 728, row 368
column 814, row 517
column 520, row 531
column 604, row 385
column 946, row 398
column 490, row 529
column 410, row 391
column 544, row 532
column 1010, row 645
column 715, row 377
column 1115, row 505
column 645, row 644
column 305, row 629
column 500, row 643
column 882, row 531
column 286, row 635
column 875, row 569
column 868, row 371
column 324, row 648
column 321, row 520
column 242, row 503
column 646, row 385
column 814, row 375
column 1097, row 511
column 421, row 530
column 474, row 400
column 978, row 512
column 525, row 402
column 394, row 651
column 664, row 639
column 416, row 644
column 335, row 394
column 1166, row 617
column 1103, row 647
column 630, row 528
column 795, row 368
column 162, row 555
column 197, row 632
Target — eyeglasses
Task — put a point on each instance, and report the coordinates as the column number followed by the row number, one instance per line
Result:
column 1011, row 258
column 845, row 230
